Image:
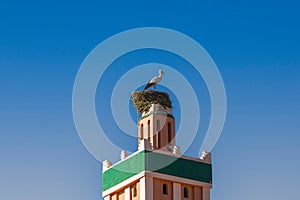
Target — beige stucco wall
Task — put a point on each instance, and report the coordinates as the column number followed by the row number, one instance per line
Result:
column 198, row 194
column 121, row 195
column 158, row 190
column 149, row 188
column 153, row 133
column 138, row 191
column 126, row 193
column 176, row 191
column 190, row 190
column 114, row 197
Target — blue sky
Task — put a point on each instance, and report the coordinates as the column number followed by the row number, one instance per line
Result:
column 255, row 45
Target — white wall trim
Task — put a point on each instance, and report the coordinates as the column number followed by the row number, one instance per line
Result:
column 146, row 188
column 127, row 193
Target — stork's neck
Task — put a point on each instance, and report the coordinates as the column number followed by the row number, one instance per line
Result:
column 160, row 74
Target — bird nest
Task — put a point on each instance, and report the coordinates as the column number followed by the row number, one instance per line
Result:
column 143, row 100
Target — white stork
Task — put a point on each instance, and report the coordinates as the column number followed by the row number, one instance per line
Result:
column 154, row 81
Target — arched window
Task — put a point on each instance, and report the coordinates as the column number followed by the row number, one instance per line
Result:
column 148, row 129
column 169, row 132
column 185, row 192
column 156, row 135
column 159, row 139
column 142, row 131
column 134, row 191
column 165, row 189
column 158, row 125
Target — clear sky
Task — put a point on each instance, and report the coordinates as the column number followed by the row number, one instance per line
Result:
column 255, row 45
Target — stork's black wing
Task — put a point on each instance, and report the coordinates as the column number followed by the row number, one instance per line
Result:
column 149, row 85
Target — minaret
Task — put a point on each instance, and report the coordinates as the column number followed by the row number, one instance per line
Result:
column 158, row 126
column 157, row 171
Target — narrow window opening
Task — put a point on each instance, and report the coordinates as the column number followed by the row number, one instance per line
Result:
column 169, row 132
column 159, row 140
column 185, row 192
column 165, row 189
column 134, row 191
column 148, row 129
column 156, row 135
column 142, row 131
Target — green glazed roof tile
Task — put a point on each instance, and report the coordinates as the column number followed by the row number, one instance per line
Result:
column 151, row 161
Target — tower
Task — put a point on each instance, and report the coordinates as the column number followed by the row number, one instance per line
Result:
column 157, row 171
column 158, row 126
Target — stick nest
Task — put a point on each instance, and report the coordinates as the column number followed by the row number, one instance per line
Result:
column 143, row 100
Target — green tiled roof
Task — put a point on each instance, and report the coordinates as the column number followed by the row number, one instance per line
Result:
column 151, row 161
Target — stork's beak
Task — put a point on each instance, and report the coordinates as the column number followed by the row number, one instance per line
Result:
column 163, row 72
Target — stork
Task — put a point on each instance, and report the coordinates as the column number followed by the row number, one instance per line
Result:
column 154, row 81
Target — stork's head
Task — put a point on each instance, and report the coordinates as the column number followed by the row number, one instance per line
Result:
column 161, row 72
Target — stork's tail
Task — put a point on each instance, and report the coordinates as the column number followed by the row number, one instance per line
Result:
column 149, row 85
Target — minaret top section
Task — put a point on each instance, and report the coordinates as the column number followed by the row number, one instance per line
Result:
column 157, row 124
